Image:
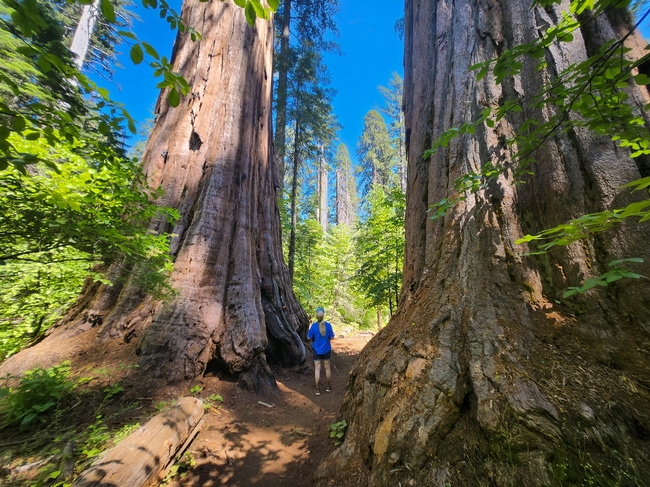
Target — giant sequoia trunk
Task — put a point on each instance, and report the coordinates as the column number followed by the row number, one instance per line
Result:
column 213, row 157
column 482, row 377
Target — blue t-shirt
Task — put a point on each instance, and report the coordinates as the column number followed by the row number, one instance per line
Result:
column 321, row 344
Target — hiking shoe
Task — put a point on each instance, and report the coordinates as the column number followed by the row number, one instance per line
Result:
column 329, row 389
column 318, row 392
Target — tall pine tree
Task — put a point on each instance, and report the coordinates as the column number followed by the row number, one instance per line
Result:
column 392, row 108
column 376, row 153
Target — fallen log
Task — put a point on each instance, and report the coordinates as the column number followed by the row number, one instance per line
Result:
column 144, row 457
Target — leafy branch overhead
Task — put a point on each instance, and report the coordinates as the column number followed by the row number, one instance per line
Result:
column 593, row 94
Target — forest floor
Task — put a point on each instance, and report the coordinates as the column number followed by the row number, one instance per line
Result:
column 242, row 443
column 245, row 443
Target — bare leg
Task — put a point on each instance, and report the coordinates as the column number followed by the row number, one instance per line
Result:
column 328, row 374
column 317, row 371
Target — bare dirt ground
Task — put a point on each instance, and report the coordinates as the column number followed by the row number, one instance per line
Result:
column 246, row 444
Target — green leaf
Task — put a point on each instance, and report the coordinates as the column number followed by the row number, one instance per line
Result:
column 249, row 10
column 173, row 97
column 104, row 93
column 18, row 124
column 631, row 275
column 259, row 9
column 150, row 50
column 489, row 122
column 621, row 261
column 108, row 11
column 274, row 4
column 136, row 54
column 28, row 419
column 43, row 64
column 642, row 79
column 127, row 34
column 482, row 73
column 240, row 3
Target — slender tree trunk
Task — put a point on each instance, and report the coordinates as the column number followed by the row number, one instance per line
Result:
column 212, row 155
column 344, row 210
column 281, row 98
column 402, row 154
column 294, row 204
column 81, row 39
column 481, row 377
column 339, row 197
column 323, row 191
column 379, row 324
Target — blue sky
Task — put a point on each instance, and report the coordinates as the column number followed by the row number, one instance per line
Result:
column 371, row 52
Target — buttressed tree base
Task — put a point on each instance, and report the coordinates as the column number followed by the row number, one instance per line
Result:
column 482, row 378
column 234, row 308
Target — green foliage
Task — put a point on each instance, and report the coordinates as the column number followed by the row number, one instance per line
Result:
column 34, row 296
column 196, row 389
column 32, row 400
column 183, row 465
column 377, row 155
column 57, row 222
column 212, row 401
column 310, row 104
column 125, row 431
column 308, row 282
column 96, row 438
column 392, row 108
column 325, row 270
column 604, row 279
column 101, row 211
column 69, row 198
column 593, row 94
column 215, row 398
column 337, row 431
column 380, row 247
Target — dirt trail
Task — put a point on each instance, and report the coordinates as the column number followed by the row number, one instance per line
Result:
column 247, row 444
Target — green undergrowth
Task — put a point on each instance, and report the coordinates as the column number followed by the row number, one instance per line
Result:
column 59, row 425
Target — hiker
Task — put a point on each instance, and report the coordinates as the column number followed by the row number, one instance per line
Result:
column 320, row 333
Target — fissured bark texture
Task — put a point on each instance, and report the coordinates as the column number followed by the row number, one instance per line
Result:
column 213, row 156
column 485, row 376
